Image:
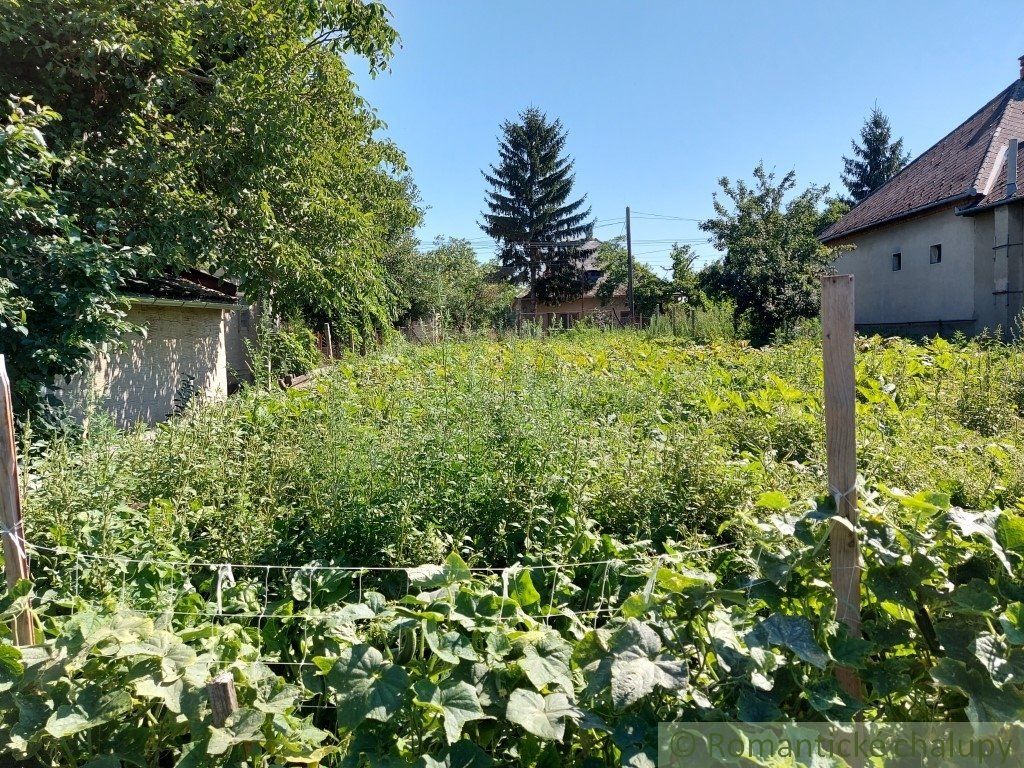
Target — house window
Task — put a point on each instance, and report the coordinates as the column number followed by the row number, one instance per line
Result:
column 897, row 262
column 935, row 254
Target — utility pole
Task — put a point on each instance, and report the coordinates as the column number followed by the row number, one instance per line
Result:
column 629, row 269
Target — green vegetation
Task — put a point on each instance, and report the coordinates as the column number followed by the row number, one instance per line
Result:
column 656, row 507
column 447, row 282
column 288, row 349
column 58, row 285
column 875, row 160
column 650, row 292
column 226, row 135
column 530, row 213
column 773, row 258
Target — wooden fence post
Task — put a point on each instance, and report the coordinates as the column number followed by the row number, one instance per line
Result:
column 330, row 342
column 837, row 331
column 223, row 700
column 13, row 528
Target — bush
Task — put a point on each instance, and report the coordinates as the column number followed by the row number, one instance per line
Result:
column 708, row 322
column 289, row 349
column 644, row 518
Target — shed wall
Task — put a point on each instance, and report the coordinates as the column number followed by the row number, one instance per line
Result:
column 136, row 379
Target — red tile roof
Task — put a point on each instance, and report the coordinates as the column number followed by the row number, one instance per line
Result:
column 964, row 167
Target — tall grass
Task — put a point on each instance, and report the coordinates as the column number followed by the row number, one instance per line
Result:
column 490, row 447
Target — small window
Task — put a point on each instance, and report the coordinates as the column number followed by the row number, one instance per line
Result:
column 897, row 262
column 935, row 254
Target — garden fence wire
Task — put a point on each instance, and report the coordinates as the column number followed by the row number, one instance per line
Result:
column 585, row 591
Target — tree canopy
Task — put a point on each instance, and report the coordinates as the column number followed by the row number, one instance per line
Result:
column 876, row 159
column 226, row 135
column 772, row 256
column 58, row 284
column 448, row 283
column 530, row 210
column 650, row 291
column 686, row 279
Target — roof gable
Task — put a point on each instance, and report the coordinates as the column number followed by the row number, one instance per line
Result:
column 961, row 167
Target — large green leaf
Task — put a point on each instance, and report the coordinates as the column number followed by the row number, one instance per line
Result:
column 546, row 662
column 986, row 703
column 543, row 716
column 365, row 686
column 150, row 687
column 792, row 632
column 1010, row 530
column 242, row 727
column 1005, row 665
column 1012, row 622
column 520, row 587
column 11, row 668
column 983, row 524
column 463, row 754
column 634, row 639
column 635, row 668
column 457, row 702
column 91, row 709
column 635, row 678
column 452, row 646
column 756, row 706
column 175, row 657
column 433, row 576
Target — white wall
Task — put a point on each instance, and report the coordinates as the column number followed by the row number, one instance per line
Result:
column 920, row 292
column 239, row 334
column 135, row 381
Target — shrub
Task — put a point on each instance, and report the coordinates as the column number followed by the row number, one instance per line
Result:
column 288, row 349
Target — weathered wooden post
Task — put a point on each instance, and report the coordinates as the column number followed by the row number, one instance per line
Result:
column 223, row 701
column 330, row 342
column 837, row 330
column 13, row 530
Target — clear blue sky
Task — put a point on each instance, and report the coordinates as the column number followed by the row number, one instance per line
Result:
column 662, row 98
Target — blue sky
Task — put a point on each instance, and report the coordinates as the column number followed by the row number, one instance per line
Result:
column 662, row 98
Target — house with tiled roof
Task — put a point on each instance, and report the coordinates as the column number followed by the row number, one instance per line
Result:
column 586, row 304
column 938, row 248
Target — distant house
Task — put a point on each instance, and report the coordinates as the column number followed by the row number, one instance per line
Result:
column 939, row 247
column 194, row 335
column 586, row 304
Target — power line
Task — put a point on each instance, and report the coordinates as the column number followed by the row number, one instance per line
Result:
column 666, row 216
column 670, row 240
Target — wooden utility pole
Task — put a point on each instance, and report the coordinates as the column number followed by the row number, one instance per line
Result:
column 13, row 528
column 629, row 268
column 841, row 445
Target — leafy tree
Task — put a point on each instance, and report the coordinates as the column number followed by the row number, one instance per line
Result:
column 875, row 160
column 448, row 282
column 686, row 281
column 226, row 134
column 58, row 284
column 529, row 207
column 835, row 208
column 649, row 290
column 772, row 257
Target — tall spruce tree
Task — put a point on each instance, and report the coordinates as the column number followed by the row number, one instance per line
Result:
column 529, row 211
column 875, row 160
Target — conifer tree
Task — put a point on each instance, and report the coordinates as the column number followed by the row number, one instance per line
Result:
column 875, row 160
column 530, row 213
